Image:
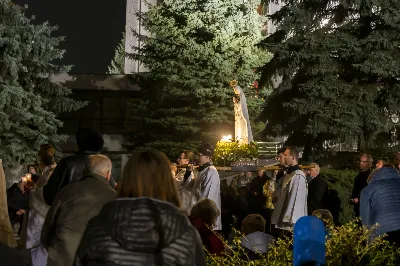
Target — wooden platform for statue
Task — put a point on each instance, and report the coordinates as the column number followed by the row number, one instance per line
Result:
column 263, row 164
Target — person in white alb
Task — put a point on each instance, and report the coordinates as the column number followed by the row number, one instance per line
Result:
column 205, row 183
column 290, row 196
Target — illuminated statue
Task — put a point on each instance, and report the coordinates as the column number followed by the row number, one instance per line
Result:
column 243, row 131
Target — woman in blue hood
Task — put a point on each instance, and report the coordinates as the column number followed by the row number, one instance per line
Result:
column 380, row 202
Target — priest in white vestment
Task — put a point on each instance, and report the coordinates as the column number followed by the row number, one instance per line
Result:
column 290, row 196
column 205, row 183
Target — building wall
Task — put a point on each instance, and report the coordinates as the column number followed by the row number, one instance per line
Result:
column 111, row 99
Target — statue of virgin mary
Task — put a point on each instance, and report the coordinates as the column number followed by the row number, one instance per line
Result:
column 243, row 131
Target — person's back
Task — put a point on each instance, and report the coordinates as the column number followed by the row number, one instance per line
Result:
column 255, row 242
column 71, row 168
column 380, row 201
column 317, row 193
column 73, row 207
column 204, row 216
column 144, row 225
column 141, row 231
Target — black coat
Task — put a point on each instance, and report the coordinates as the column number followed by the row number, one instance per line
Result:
column 360, row 182
column 140, row 231
column 317, row 194
column 13, row 257
column 69, row 169
column 16, row 200
column 257, row 199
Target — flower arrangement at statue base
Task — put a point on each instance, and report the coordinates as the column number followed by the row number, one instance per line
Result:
column 226, row 153
column 346, row 245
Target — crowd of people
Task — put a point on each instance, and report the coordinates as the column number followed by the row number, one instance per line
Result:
column 74, row 213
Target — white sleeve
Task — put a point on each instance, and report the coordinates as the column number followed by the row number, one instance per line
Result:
column 291, row 197
column 206, row 184
column 188, row 184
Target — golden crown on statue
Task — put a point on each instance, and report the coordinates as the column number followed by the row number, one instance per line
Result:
column 233, row 83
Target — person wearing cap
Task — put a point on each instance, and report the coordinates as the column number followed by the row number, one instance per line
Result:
column 205, row 183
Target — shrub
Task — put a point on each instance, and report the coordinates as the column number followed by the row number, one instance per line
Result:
column 341, row 181
column 226, row 153
column 345, row 245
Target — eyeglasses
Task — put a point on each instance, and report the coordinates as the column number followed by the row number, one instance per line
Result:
column 364, row 161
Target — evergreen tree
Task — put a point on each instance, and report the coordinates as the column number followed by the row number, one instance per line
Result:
column 338, row 71
column 118, row 62
column 194, row 50
column 29, row 101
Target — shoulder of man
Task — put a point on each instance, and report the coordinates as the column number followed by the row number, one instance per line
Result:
column 211, row 170
column 300, row 174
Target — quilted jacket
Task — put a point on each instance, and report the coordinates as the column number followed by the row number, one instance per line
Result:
column 140, row 231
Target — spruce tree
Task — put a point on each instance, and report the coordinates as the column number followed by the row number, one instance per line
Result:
column 29, row 101
column 337, row 71
column 118, row 63
column 194, row 49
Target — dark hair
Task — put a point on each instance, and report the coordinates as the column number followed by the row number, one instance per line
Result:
column 385, row 160
column 46, row 149
column 253, row 223
column 47, row 159
column 34, row 166
column 293, row 151
column 206, row 210
column 148, row 174
column 206, row 149
column 189, row 155
column 281, row 150
column 89, row 139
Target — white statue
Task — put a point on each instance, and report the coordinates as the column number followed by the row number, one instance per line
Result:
column 243, row 131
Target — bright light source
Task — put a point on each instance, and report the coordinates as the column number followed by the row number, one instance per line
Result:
column 227, row 138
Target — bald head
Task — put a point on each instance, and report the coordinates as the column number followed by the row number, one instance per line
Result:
column 99, row 165
column 314, row 172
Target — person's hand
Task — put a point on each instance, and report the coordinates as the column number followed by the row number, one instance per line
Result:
column 189, row 168
column 355, row 200
column 20, row 212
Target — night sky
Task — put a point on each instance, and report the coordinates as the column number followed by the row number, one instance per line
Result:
column 93, row 29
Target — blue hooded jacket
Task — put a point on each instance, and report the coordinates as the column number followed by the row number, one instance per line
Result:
column 380, row 201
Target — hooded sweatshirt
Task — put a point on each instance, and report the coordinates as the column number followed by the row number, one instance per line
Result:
column 140, row 231
column 380, row 201
column 257, row 242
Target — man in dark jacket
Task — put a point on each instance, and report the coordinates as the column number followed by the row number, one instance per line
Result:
column 257, row 199
column 70, row 169
column 360, row 182
column 73, row 207
column 317, row 191
column 13, row 256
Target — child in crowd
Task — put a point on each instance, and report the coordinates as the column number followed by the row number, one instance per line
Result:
column 204, row 216
column 254, row 241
